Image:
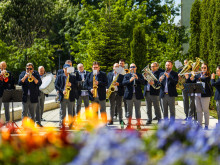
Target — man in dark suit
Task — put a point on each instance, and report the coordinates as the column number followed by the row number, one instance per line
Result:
column 216, row 84
column 152, row 95
column 100, row 81
column 30, row 82
column 116, row 96
column 133, row 93
column 61, row 85
column 82, row 91
column 59, row 72
column 168, row 92
column 6, row 83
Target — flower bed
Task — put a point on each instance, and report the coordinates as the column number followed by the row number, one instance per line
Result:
column 95, row 144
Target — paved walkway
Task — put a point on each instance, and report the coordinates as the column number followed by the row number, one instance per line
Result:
column 52, row 118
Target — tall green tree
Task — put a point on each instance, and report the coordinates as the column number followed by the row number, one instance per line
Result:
column 204, row 30
column 138, row 48
column 214, row 61
column 195, row 30
column 23, row 21
column 107, row 47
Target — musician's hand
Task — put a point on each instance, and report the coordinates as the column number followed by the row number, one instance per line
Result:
column 193, row 73
column 136, row 77
column 187, row 76
column 69, row 84
column 161, row 78
column 192, row 78
column 96, row 82
column 213, row 76
column 167, row 75
column 3, row 72
column 151, row 82
column 64, row 92
column 116, row 84
column 132, row 79
column 106, row 90
column 92, row 91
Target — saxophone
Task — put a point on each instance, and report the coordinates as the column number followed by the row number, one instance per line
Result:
column 111, row 87
column 95, row 87
column 67, row 88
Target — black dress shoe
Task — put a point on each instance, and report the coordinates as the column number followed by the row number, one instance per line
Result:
column 43, row 119
column 39, row 125
column 148, row 122
column 155, row 118
column 110, row 122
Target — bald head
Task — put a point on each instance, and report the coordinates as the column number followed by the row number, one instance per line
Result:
column 41, row 70
column 3, row 65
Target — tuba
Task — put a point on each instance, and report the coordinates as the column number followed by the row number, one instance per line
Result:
column 182, row 78
column 95, row 87
column 149, row 76
column 67, row 88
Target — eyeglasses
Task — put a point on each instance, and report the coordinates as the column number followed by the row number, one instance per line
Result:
column 29, row 68
column 133, row 67
column 94, row 67
column 203, row 67
column 153, row 66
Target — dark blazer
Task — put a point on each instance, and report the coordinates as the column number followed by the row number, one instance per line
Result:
column 161, row 70
column 172, row 81
column 103, row 82
column 217, row 86
column 206, row 80
column 60, row 84
column 119, row 80
column 10, row 84
column 81, row 85
column 59, row 72
column 129, row 86
column 34, row 88
column 152, row 90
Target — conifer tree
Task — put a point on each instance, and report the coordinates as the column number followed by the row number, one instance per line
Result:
column 215, row 58
column 204, row 31
column 194, row 30
column 138, row 48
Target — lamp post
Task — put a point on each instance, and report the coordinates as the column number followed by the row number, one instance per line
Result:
column 59, row 53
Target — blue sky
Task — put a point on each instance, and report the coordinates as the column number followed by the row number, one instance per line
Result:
column 177, row 2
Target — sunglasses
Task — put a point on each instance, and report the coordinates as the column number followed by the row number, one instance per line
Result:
column 132, row 67
column 203, row 67
column 29, row 68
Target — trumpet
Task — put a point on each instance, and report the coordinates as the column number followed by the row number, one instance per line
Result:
column 30, row 79
column 6, row 74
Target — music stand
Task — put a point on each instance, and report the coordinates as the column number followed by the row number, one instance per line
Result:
column 12, row 96
column 194, row 88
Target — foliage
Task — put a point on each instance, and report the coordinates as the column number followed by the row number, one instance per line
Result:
column 194, row 30
column 138, row 48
